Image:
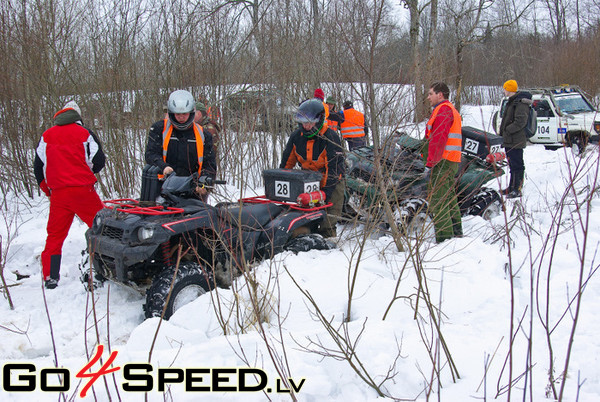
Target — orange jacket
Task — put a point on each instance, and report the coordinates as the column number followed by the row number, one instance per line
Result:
column 198, row 133
column 436, row 134
column 354, row 124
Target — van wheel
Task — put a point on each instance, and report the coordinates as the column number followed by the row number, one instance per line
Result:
column 578, row 143
column 494, row 122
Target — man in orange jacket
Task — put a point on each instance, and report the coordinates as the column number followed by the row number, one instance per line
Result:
column 354, row 129
column 335, row 117
column 442, row 154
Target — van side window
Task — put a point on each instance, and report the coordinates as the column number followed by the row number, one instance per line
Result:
column 542, row 107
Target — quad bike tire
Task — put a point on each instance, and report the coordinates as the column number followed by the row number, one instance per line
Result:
column 486, row 203
column 90, row 282
column 306, row 242
column 412, row 217
column 191, row 281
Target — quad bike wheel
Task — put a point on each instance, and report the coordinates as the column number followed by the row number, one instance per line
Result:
column 306, row 242
column 190, row 282
column 355, row 205
column 412, row 217
column 90, row 282
column 486, row 203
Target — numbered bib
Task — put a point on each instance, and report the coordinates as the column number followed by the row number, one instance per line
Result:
column 282, row 189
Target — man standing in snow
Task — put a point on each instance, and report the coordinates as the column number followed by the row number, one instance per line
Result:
column 178, row 145
column 208, row 124
column 443, row 136
column 66, row 160
column 314, row 146
column 335, row 117
column 512, row 130
column 354, row 129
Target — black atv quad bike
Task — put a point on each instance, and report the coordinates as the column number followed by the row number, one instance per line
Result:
column 402, row 174
column 180, row 247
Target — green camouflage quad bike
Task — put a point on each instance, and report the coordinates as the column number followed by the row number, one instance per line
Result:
column 404, row 186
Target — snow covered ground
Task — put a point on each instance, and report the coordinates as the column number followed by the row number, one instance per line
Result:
column 389, row 334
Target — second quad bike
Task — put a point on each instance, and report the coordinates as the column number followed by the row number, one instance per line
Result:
column 180, row 247
column 396, row 174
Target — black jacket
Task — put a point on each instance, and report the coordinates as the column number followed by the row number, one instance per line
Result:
column 182, row 155
column 322, row 153
column 514, row 120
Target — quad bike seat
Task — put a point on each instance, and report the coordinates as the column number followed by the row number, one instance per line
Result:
column 253, row 216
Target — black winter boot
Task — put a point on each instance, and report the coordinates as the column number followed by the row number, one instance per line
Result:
column 517, row 184
column 508, row 189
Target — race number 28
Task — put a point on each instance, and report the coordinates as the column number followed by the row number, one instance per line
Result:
column 312, row 186
column 282, row 189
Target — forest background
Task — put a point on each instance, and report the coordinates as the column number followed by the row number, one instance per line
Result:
column 120, row 59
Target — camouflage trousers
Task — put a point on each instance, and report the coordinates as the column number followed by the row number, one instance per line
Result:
column 442, row 199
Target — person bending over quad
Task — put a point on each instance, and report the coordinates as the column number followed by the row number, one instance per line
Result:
column 178, row 145
column 316, row 147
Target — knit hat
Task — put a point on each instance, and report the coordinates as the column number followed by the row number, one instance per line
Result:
column 348, row 104
column 319, row 94
column 200, row 106
column 73, row 108
column 73, row 105
column 511, row 86
column 331, row 100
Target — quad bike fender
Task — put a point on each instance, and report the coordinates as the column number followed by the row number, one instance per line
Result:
column 282, row 227
column 201, row 220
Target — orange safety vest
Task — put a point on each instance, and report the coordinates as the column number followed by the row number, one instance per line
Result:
column 326, row 110
column 334, row 125
column 453, row 148
column 198, row 133
column 214, row 113
column 354, row 124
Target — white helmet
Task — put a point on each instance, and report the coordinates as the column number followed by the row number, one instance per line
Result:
column 180, row 102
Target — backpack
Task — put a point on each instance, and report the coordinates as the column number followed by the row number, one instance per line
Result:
column 531, row 126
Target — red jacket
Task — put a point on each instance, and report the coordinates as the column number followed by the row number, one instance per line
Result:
column 68, row 154
column 443, row 133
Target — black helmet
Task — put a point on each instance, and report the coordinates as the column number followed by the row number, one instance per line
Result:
column 181, row 102
column 311, row 111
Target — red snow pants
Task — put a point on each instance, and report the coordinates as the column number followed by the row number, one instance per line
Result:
column 65, row 203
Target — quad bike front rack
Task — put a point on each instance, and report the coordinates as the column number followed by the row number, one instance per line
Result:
column 131, row 206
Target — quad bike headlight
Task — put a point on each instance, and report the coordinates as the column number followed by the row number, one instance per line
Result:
column 145, row 233
column 98, row 221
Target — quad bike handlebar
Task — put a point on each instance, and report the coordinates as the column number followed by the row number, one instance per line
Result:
column 185, row 186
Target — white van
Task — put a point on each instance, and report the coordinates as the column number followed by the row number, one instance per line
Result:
column 564, row 117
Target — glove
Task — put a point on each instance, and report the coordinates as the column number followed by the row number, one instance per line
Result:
column 44, row 187
column 426, row 173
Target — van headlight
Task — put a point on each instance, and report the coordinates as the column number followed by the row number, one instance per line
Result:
column 145, row 233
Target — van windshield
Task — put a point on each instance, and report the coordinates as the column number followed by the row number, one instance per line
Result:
column 573, row 104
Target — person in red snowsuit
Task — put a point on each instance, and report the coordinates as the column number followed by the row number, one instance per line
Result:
column 66, row 160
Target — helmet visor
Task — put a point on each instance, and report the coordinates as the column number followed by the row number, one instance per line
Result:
column 303, row 118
